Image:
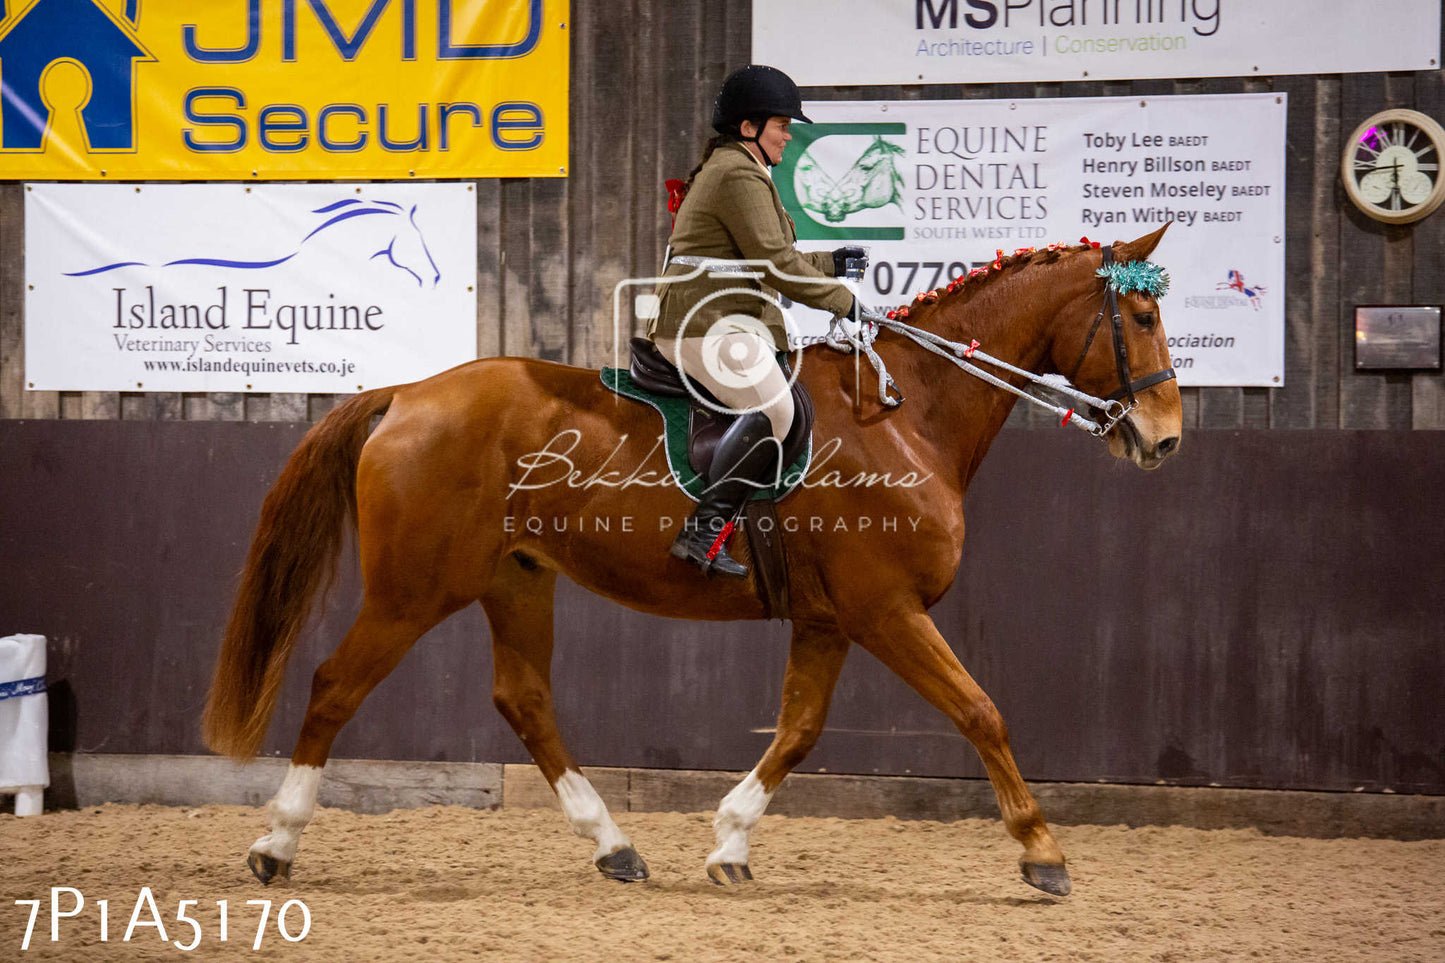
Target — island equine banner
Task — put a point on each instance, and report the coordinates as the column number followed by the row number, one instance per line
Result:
column 226, row 287
column 283, row 89
column 937, row 189
column 1010, row 41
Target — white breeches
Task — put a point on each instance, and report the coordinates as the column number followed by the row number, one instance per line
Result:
column 737, row 363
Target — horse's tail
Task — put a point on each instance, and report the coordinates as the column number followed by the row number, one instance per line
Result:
column 292, row 557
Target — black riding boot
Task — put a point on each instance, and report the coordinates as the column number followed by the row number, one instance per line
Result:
column 745, row 460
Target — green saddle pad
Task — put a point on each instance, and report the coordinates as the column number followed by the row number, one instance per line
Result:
column 674, row 413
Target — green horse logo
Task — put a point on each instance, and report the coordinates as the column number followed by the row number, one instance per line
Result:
column 873, row 181
column 820, row 203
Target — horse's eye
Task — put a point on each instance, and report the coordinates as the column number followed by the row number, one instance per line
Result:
column 1145, row 319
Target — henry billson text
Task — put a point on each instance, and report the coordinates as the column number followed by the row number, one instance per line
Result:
column 254, row 310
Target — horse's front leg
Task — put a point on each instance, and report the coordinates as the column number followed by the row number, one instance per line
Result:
column 519, row 607
column 911, row 646
column 814, row 661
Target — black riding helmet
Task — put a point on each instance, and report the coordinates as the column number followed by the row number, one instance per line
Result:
column 753, row 92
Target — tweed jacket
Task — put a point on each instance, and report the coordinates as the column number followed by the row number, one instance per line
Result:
column 733, row 211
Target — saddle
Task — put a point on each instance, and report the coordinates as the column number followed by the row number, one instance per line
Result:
column 651, row 371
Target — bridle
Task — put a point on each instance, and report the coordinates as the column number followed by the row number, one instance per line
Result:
column 1106, row 412
column 1127, row 388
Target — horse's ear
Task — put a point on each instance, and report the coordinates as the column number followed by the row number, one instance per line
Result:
column 1140, row 248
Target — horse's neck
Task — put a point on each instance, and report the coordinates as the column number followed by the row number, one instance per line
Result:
column 961, row 414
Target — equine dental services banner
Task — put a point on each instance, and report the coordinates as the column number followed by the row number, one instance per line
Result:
column 283, row 89
column 229, row 287
column 937, row 188
column 850, row 42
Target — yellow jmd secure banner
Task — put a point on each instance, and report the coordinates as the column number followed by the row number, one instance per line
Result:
column 283, row 89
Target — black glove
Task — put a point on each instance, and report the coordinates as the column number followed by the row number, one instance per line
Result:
column 849, row 262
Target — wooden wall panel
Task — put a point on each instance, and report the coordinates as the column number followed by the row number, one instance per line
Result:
column 1326, row 217
column 514, row 274
column 1286, row 634
column 647, row 218
column 549, row 286
column 489, row 268
column 1296, row 407
column 643, row 74
column 589, row 105
column 1427, row 391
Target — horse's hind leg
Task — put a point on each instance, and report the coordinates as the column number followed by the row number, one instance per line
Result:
column 372, row 648
column 814, row 660
column 911, row 646
column 519, row 609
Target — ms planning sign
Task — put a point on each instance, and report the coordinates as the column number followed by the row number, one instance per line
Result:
column 997, row 41
column 307, row 89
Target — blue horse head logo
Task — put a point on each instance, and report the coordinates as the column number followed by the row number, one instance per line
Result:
column 386, row 229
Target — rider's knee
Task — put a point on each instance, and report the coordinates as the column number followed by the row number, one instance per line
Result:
column 780, row 415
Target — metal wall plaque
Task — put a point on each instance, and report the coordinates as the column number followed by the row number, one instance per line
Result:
column 1396, row 337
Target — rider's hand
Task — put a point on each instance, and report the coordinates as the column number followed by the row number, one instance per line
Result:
column 850, row 322
column 841, row 258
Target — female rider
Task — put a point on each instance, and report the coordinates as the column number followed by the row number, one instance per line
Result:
column 723, row 329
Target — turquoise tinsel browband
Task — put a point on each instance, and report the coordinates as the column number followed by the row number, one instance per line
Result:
column 1146, row 277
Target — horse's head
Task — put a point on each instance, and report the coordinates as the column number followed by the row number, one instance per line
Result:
column 1089, row 355
column 872, row 181
column 407, row 251
column 813, row 185
column 387, row 230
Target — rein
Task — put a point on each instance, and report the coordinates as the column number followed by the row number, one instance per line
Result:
column 1107, row 412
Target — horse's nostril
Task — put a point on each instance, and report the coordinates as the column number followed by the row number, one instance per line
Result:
column 1166, row 446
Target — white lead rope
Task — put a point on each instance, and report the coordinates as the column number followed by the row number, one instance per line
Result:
column 841, row 339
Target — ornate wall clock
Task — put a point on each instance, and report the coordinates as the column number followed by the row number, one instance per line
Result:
column 1391, row 166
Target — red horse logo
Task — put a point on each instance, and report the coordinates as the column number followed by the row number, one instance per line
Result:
column 1236, row 283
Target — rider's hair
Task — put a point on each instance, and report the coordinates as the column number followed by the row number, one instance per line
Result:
column 734, row 134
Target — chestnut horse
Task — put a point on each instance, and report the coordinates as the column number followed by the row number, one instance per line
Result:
column 436, row 493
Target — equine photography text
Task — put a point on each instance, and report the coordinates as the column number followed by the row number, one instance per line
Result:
column 627, row 524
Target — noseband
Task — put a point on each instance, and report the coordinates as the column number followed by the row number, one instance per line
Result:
column 1127, row 388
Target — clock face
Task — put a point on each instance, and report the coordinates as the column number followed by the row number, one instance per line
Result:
column 1391, row 166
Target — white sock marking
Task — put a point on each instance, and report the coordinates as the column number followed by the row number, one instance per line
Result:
column 736, row 818
column 587, row 814
column 291, row 809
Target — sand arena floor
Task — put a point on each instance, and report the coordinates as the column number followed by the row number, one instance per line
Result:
column 457, row 884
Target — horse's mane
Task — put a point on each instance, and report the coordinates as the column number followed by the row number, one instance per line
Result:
column 965, row 287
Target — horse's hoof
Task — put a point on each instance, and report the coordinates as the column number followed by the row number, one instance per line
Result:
column 728, row 874
column 1052, row 878
column 625, row 866
column 267, row 868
